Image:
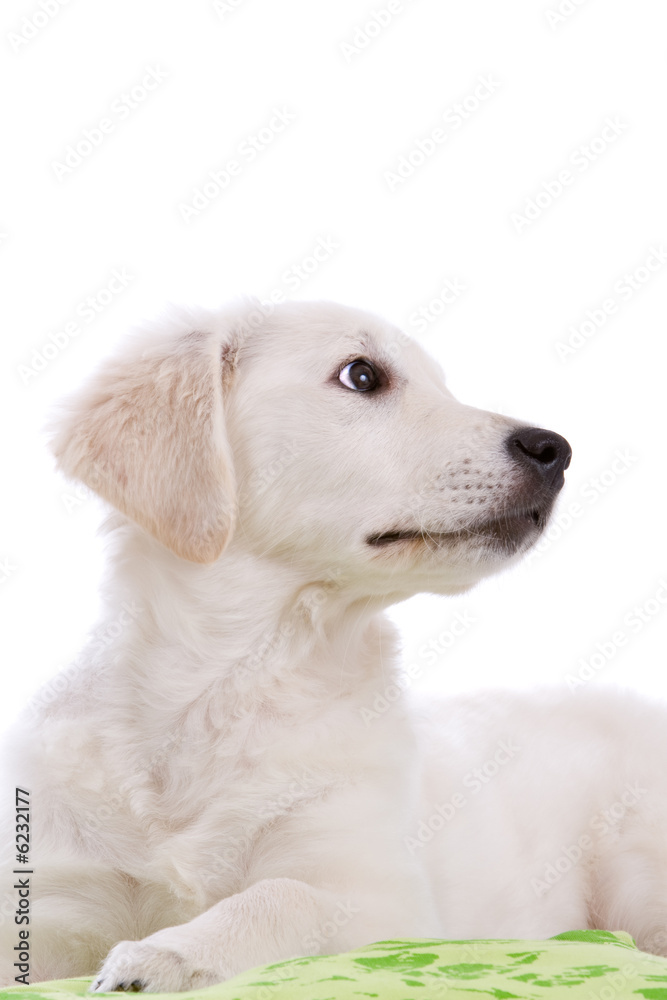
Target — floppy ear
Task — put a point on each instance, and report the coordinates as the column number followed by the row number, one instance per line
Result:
column 147, row 434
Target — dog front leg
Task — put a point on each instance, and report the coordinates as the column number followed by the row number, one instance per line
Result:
column 272, row 920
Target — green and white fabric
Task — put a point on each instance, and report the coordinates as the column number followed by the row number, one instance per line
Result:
column 578, row 965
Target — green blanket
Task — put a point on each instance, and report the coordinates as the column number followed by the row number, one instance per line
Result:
column 578, row 965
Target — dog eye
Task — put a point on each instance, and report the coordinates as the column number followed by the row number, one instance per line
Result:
column 359, row 375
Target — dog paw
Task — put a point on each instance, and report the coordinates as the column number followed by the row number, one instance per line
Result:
column 141, row 967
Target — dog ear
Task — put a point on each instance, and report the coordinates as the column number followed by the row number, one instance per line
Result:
column 147, row 434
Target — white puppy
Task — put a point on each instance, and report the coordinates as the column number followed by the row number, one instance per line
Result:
column 212, row 789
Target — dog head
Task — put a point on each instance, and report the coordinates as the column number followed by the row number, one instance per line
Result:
column 315, row 434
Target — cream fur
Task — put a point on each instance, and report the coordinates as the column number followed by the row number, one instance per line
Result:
column 211, row 788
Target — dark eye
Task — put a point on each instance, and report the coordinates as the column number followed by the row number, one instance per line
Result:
column 359, row 375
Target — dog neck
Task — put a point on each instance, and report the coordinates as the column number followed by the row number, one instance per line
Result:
column 236, row 631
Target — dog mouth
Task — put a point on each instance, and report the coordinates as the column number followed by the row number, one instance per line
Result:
column 506, row 531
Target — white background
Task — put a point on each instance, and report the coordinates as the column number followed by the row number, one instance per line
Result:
column 361, row 96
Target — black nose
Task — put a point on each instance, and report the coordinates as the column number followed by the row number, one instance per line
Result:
column 546, row 453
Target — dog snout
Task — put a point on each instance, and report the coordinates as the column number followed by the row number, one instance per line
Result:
column 544, row 453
